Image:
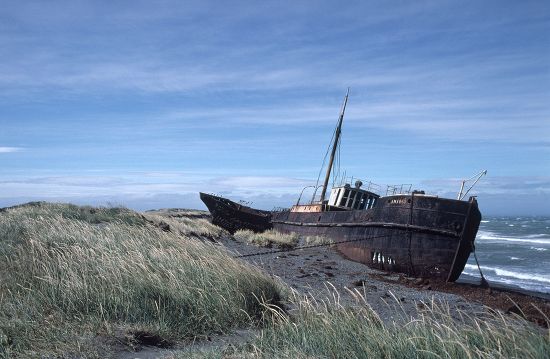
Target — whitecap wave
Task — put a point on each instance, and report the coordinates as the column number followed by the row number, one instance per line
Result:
column 532, row 238
column 511, row 274
column 528, row 285
column 540, row 235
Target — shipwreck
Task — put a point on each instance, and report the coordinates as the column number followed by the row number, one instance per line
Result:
column 402, row 231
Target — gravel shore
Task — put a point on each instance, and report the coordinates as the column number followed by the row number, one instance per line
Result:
column 320, row 271
column 323, row 274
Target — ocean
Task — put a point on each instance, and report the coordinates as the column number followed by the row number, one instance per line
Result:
column 513, row 251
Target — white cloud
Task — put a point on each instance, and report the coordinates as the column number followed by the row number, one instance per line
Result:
column 145, row 190
column 497, row 185
column 10, row 149
column 259, row 183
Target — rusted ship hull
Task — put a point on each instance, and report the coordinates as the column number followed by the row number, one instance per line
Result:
column 420, row 236
column 233, row 216
column 412, row 233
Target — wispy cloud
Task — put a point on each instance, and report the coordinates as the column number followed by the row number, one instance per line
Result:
column 246, row 95
column 177, row 189
column 10, row 149
column 497, row 185
column 146, row 190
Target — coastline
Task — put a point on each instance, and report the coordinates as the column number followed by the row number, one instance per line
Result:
column 474, row 281
column 180, row 259
column 317, row 271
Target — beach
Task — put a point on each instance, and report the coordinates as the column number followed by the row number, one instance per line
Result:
column 317, row 271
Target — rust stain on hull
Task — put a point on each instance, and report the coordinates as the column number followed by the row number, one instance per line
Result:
column 232, row 216
column 416, row 235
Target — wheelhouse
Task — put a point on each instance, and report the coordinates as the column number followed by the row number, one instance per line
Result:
column 352, row 198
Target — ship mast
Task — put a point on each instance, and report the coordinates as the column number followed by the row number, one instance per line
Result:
column 334, row 147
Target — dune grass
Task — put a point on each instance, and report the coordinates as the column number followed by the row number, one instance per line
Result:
column 70, row 276
column 327, row 329
column 186, row 226
column 74, row 278
column 268, row 238
column 330, row 330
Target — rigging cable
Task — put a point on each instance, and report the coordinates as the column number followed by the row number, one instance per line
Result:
column 323, row 165
column 484, row 282
column 308, row 246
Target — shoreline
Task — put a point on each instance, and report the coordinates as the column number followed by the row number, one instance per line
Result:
column 316, row 271
column 191, row 289
column 474, row 281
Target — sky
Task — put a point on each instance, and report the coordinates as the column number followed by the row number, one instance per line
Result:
column 144, row 104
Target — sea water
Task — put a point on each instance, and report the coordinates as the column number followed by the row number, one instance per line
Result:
column 513, row 251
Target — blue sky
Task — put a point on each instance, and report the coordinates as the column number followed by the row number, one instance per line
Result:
column 146, row 103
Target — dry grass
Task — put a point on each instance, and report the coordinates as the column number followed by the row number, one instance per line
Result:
column 282, row 240
column 317, row 240
column 330, row 330
column 73, row 277
column 327, row 329
column 198, row 227
column 268, row 238
column 69, row 274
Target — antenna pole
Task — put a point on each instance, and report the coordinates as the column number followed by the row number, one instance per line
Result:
column 334, row 147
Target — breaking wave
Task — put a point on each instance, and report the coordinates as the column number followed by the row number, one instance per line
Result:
column 532, row 238
column 511, row 274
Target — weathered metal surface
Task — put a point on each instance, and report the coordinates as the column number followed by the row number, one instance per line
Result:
column 307, row 208
column 233, row 216
column 417, row 235
column 407, row 232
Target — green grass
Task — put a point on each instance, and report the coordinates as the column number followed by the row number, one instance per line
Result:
column 71, row 276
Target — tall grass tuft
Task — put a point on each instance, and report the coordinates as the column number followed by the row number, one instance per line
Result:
column 68, row 274
column 330, row 330
column 198, row 227
column 268, row 238
column 318, row 240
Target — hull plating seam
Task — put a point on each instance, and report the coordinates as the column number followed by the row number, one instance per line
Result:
column 373, row 224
